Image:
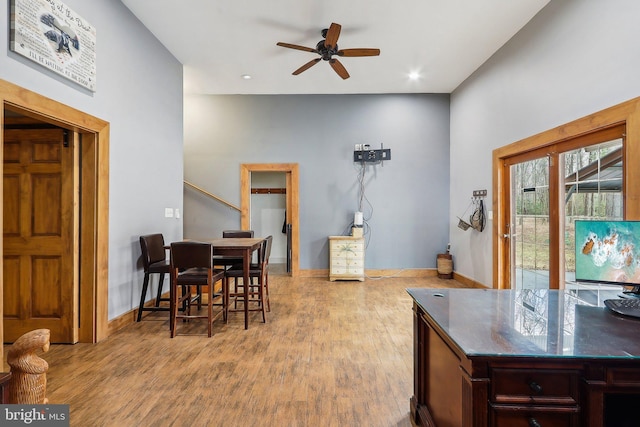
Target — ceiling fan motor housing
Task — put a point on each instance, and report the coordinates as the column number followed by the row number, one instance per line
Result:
column 325, row 52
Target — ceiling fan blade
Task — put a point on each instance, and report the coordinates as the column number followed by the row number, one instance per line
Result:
column 306, row 66
column 358, row 52
column 298, row 47
column 331, row 41
column 339, row 68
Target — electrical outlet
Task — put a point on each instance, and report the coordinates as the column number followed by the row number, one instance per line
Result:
column 177, row 213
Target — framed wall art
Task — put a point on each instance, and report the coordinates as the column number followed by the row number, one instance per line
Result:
column 54, row 36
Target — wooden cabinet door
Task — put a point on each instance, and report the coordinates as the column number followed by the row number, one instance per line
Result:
column 39, row 217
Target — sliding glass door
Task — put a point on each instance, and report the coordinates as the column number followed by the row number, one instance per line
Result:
column 592, row 190
column 547, row 190
column 529, row 233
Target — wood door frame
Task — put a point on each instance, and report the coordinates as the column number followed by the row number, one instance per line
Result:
column 626, row 114
column 94, row 199
column 292, row 196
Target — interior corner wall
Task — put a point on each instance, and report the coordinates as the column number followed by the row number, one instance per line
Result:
column 406, row 202
column 574, row 58
column 139, row 92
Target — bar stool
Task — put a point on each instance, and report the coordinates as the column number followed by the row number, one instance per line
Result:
column 234, row 262
column 192, row 266
column 154, row 260
column 229, row 261
column 258, row 292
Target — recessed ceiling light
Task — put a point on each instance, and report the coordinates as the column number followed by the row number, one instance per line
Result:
column 246, row 76
column 414, row 75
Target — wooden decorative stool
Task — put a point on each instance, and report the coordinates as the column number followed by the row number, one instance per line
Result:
column 28, row 383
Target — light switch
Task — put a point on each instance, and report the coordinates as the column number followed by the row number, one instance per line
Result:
column 168, row 212
column 490, row 215
column 177, row 213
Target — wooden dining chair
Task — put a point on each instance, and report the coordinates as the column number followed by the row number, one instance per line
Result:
column 229, row 261
column 258, row 292
column 192, row 267
column 154, row 261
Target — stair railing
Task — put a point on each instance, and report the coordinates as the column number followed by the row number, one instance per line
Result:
column 213, row 196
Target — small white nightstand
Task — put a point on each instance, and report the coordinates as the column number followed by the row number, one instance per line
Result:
column 346, row 258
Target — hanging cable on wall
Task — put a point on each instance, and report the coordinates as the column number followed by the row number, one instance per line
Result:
column 362, row 198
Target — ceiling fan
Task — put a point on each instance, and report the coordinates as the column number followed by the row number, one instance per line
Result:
column 327, row 48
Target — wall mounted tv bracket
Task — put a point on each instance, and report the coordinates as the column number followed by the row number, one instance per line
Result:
column 364, row 153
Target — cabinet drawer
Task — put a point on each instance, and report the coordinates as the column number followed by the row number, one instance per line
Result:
column 346, row 270
column 347, row 262
column 534, row 386
column 342, row 246
column 534, row 418
column 347, row 256
column 619, row 376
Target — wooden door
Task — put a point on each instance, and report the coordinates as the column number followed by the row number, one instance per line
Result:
column 39, row 218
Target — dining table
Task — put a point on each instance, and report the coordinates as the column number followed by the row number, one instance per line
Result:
column 238, row 247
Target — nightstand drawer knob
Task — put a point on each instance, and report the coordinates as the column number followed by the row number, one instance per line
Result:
column 535, row 387
column 534, row 423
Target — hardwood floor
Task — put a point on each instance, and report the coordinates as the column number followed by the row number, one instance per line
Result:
column 331, row 354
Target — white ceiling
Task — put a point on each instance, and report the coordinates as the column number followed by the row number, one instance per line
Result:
column 220, row 40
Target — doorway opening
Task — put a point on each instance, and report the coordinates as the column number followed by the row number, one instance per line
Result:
column 273, row 176
column 89, row 244
column 269, row 217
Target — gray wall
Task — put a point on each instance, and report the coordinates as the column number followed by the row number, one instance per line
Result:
column 139, row 91
column 573, row 59
column 409, row 194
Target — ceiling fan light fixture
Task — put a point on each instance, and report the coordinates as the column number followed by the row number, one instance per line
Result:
column 327, row 48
